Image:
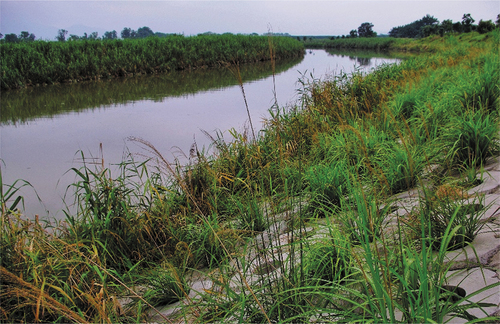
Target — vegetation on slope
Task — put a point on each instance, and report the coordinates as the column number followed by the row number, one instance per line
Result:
column 350, row 143
column 430, row 44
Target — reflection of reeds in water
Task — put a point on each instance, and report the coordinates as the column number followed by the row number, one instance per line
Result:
column 19, row 106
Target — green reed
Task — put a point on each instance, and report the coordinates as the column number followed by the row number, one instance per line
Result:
column 388, row 127
column 54, row 62
column 341, row 153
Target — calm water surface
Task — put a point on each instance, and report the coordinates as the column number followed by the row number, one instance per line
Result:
column 43, row 129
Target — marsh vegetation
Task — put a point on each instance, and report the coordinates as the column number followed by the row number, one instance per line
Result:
column 338, row 155
column 41, row 62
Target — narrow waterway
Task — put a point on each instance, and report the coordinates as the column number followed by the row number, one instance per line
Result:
column 44, row 129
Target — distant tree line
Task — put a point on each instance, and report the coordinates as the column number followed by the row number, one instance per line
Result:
column 126, row 33
column 424, row 27
column 62, row 35
column 364, row 30
column 23, row 37
column 429, row 25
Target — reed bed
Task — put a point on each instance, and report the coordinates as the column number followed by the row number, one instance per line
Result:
column 348, row 145
column 426, row 45
column 42, row 62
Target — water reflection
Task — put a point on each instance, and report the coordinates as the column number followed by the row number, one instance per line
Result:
column 170, row 111
column 24, row 105
column 363, row 57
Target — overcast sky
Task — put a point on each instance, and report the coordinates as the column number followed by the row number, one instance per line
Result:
column 44, row 18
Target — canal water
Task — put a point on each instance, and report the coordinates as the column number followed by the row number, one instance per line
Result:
column 44, row 130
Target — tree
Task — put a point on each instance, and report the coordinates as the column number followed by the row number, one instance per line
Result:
column 26, row 36
column 413, row 29
column 11, row 38
column 94, row 36
column 485, row 26
column 61, row 35
column 353, row 33
column 110, row 35
column 365, row 30
column 429, row 30
column 467, row 22
column 458, row 27
column 498, row 21
column 428, row 20
column 447, row 26
column 144, row 32
column 126, row 33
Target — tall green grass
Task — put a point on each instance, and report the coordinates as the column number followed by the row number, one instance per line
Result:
column 335, row 159
column 44, row 62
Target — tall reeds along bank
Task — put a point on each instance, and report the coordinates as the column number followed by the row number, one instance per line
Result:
column 336, row 158
column 351, row 143
column 43, row 62
column 423, row 45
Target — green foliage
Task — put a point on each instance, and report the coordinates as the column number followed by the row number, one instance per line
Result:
column 485, row 26
column 415, row 28
column 361, row 217
column 248, row 213
column 365, row 30
column 401, row 168
column 365, row 43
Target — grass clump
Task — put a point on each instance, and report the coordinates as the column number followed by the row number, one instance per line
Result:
column 328, row 261
column 327, row 183
column 443, row 211
column 165, row 286
column 474, row 138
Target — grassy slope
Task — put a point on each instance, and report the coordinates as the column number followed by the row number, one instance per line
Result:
column 363, row 136
column 429, row 44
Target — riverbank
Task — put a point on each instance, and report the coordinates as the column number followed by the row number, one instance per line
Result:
column 431, row 44
column 338, row 157
column 42, row 62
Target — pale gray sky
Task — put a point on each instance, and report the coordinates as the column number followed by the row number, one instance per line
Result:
column 44, row 18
